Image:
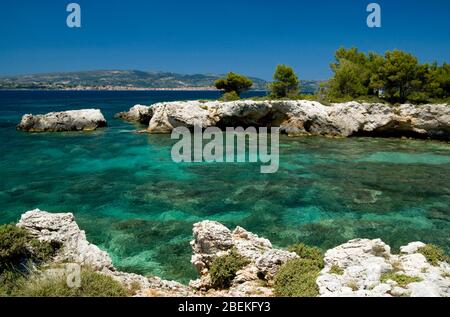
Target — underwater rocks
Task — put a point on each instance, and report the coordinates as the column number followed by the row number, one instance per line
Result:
column 74, row 120
column 363, row 267
column 138, row 113
column 304, row 117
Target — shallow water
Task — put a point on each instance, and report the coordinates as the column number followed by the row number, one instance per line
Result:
column 134, row 202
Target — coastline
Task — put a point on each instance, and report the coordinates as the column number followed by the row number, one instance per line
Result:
column 239, row 263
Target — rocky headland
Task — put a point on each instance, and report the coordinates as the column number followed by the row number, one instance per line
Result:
column 74, row 120
column 360, row 267
column 300, row 117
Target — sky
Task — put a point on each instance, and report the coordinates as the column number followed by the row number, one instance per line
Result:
column 198, row 36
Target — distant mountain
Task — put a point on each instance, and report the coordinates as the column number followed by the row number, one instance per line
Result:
column 123, row 79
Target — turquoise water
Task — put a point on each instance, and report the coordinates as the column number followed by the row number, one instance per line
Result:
column 134, row 202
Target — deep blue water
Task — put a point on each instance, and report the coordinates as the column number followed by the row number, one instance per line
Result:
column 134, row 202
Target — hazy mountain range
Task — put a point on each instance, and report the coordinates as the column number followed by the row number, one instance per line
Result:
column 123, row 79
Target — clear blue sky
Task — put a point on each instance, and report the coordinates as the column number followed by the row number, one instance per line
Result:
column 206, row 36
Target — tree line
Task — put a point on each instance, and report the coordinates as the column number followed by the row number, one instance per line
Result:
column 395, row 77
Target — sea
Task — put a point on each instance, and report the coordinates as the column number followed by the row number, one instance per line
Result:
column 137, row 204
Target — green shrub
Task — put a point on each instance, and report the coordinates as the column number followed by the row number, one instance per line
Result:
column 433, row 254
column 13, row 246
column 92, row 285
column 336, row 269
column 18, row 251
column 401, row 279
column 10, row 282
column 297, row 278
column 309, row 253
column 223, row 269
column 18, row 247
column 230, row 96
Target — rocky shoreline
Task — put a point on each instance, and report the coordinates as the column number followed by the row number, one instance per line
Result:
column 356, row 268
column 299, row 117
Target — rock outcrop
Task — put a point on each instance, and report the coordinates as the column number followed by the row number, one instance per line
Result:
column 62, row 230
column 74, row 120
column 304, row 117
column 212, row 240
column 356, row 268
column 139, row 113
column 362, row 264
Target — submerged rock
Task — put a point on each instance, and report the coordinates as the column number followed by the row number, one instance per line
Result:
column 74, row 120
column 304, row 117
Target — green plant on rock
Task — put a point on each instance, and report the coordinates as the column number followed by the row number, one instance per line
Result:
column 336, row 269
column 223, row 269
column 297, row 278
column 18, row 247
column 401, row 279
column 14, row 249
column 18, row 252
column 309, row 253
column 433, row 254
column 92, row 284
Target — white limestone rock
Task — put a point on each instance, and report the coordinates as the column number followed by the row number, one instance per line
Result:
column 138, row 113
column 412, row 247
column 74, row 120
column 62, row 229
column 299, row 117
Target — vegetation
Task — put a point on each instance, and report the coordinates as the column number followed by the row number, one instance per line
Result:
column 233, row 85
column 286, row 83
column 336, row 269
column 92, row 284
column 434, row 254
column 17, row 248
column 230, row 96
column 223, row 269
column 313, row 254
column 114, row 79
column 297, row 278
column 18, row 252
column 401, row 279
column 396, row 77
